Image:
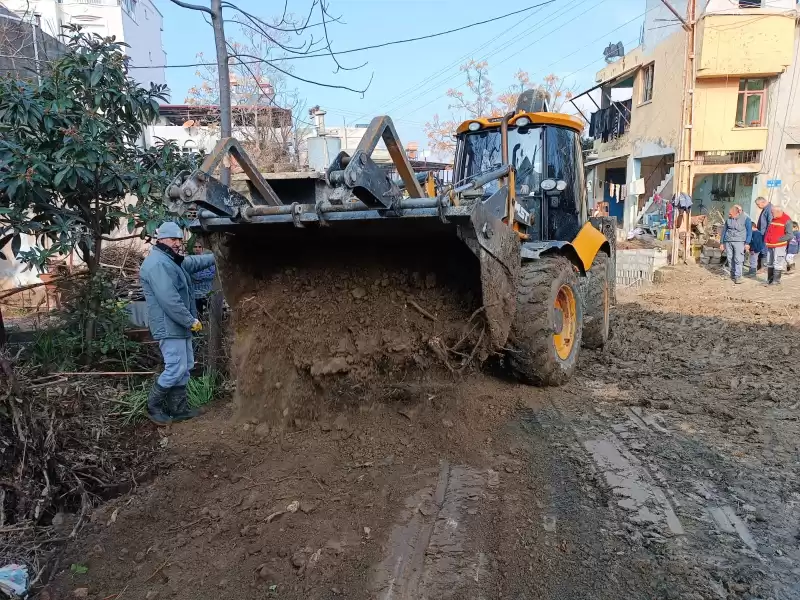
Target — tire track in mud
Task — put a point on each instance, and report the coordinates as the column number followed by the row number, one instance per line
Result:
column 429, row 555
column 687, row 501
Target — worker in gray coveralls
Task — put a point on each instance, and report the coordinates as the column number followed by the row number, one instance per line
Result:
column 169, row 292
column 736, row 235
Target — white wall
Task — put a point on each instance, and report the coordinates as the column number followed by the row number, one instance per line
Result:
column 141, row 29
column 196, row 138
column 782, row 156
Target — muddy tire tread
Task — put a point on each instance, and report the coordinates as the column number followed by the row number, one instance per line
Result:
column 531, row 355
column 595, row 331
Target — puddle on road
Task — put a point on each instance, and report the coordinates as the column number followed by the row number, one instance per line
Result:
column 646, row 501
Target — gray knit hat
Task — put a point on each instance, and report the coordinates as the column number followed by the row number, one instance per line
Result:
column 169, row 230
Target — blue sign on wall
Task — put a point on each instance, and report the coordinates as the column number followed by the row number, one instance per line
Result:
column 773, row 183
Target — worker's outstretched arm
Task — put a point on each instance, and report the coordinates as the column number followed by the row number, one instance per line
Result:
column 168, row 298
column 197, row 262
column 749, row 225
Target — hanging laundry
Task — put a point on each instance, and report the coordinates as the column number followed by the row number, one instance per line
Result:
column 682, row 201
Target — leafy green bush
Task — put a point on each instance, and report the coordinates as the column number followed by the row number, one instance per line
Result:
column 94, row 302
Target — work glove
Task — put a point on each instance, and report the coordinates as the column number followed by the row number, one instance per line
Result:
column 197, row 326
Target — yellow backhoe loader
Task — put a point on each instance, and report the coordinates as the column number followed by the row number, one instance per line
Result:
column 517, row 201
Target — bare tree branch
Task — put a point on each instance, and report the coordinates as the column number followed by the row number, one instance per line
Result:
column 324, row 10
column 296, row 29
column 293, row 76
column 197, row 7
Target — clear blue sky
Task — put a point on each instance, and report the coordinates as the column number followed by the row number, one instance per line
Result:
column 409, row 81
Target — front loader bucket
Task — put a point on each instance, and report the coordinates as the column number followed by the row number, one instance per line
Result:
column 327, row 317
column 347, row 287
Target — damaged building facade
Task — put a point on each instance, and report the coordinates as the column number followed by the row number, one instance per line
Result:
column 746, row 126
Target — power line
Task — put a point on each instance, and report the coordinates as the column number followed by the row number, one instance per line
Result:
column 496, row 51
column 363, row 48
column 386, row 107
column 552, row 17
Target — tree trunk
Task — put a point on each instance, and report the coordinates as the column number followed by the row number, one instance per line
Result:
column 214, row 359
column 3, row 338
column 90, row 325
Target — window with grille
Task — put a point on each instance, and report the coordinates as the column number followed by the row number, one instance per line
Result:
column 751, row 102
column 647, row 82
column 723, row 186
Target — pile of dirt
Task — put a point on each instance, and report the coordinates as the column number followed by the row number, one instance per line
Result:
column 347, row 322
column 243, row 511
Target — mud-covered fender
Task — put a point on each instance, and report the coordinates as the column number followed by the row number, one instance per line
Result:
column 588, row 243
column 536, row 250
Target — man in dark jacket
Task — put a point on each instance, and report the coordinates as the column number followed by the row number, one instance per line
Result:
column 764, row 219
column 167, row 285
column 757, row 248
column 736, row 234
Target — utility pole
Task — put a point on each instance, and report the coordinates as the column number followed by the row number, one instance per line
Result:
column 684, row 171
column 214, row 356
column 226, row 130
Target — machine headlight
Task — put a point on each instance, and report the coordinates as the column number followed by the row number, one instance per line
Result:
column 474, row 126
column 548, row 185
column 561, row 185
column 522, row 122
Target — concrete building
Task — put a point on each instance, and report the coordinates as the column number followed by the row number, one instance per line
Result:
column 24, row 47
column 138, row 23
column 746, row 127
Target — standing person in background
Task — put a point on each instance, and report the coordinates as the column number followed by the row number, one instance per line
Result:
column 203, row 280
column 736, row 234
column 764, row 219
column 793, row 248
column 756, row 249
column 776, row 240
column 167, row 285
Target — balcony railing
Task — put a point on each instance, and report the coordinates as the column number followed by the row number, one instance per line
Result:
column 722, row 157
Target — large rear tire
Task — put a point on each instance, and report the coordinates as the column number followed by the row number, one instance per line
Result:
column 545, row 336
column 597, row 303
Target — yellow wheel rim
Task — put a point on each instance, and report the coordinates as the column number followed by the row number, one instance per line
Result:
column 566, row 322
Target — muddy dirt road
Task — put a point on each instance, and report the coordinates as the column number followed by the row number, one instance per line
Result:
column 669, row 468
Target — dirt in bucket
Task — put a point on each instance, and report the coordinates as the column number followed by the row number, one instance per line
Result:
column 334, row 322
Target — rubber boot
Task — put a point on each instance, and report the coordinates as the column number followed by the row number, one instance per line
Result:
column 770, row 275
column 776, row 278
column 156, row 402
column 179, row 405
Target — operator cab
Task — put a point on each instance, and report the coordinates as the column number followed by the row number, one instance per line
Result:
column 545, row 152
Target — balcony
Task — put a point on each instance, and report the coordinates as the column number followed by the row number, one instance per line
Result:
column 727, row 161
column 720, row 157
